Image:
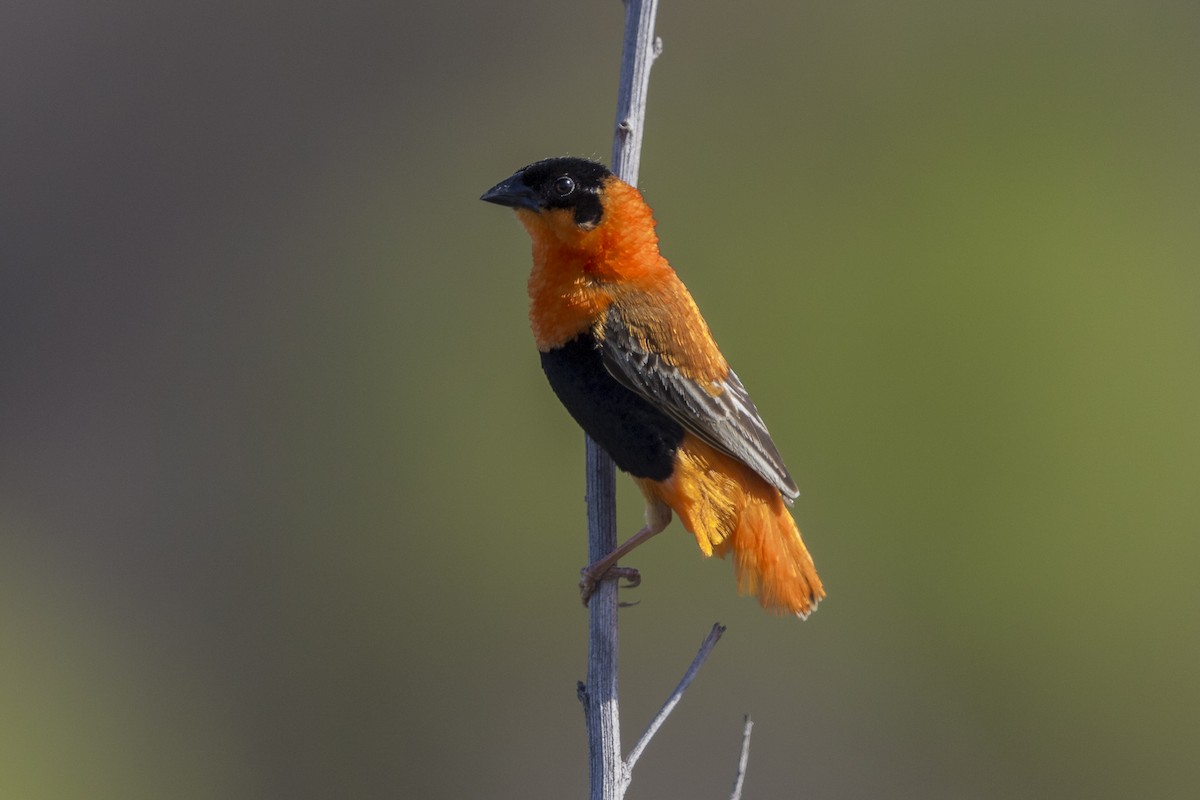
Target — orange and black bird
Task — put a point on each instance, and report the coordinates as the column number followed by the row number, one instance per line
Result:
column 627, row 352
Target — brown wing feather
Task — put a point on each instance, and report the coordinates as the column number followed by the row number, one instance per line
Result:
column 664, row 352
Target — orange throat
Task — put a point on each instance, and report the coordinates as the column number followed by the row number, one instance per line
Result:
column 579, row 272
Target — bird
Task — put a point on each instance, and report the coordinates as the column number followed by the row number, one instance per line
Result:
column 626, row 351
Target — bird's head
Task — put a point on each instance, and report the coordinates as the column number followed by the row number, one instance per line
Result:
column 583, row 212
column 560, row 191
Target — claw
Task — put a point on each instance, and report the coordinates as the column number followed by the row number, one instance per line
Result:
column 632, row 577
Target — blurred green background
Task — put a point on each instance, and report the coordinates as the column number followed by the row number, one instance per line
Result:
column 288, row 511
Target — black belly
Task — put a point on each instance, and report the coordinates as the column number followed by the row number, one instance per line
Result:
column 641, row 439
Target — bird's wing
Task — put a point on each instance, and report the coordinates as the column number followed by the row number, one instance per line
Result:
column 661, row 349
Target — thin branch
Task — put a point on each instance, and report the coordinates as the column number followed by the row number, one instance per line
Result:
column 706, row 647
column 600, row 700
column 609, row 776
column 641, row 47
column 745, row 757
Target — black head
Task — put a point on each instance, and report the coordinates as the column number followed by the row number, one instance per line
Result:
column 556, row 183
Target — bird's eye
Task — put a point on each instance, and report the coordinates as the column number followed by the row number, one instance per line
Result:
column 564, row 186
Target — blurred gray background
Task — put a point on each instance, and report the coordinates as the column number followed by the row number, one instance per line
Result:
column 288, row 511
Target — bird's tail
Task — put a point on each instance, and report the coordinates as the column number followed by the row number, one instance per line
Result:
column 730, row 509
column 770, row 558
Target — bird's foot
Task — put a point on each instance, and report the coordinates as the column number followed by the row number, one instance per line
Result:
column 589, row 579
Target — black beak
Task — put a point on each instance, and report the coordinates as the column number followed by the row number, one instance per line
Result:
column 514, row 193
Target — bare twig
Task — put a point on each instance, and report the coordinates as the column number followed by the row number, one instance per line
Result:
column 745, row 757
column 640, row 49
column 609, row 776
column 599, row 695
column 706, row 647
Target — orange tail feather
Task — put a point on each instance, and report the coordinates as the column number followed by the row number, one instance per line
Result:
column 729, row 508
column 770, row 559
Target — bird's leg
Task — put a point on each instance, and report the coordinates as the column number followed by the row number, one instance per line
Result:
column 658, row 516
